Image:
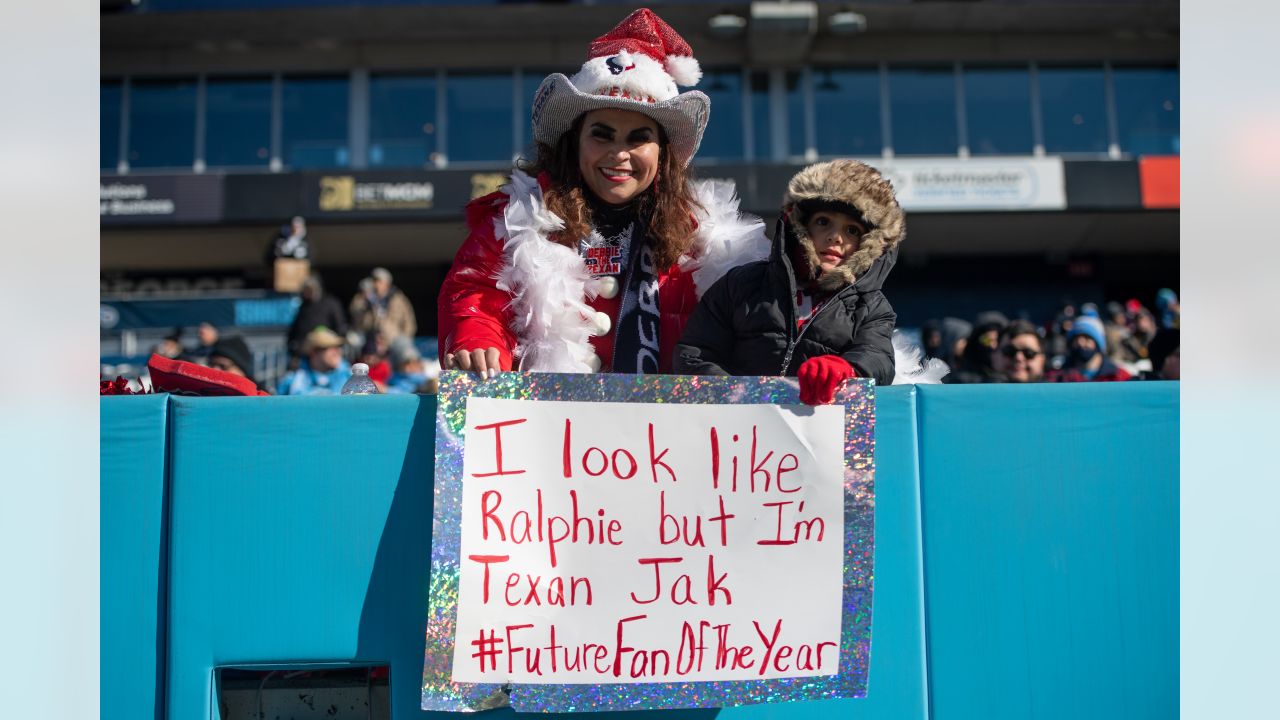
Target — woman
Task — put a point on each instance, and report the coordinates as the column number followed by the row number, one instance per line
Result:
column 592, row 258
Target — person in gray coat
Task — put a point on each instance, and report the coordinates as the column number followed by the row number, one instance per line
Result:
column 815, row 308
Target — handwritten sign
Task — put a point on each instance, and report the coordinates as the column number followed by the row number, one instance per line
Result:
column 696, row 545
column 623, row 543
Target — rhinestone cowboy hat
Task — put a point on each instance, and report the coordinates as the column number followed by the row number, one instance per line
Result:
column 635, row 66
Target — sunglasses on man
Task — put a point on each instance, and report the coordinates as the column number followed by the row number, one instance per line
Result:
column 1027, row 353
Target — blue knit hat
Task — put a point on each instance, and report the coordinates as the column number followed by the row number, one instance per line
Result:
column 1091, row 326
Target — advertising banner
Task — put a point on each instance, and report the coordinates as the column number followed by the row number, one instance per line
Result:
column 976, row 184
column 139, row 314
column 391, row 194
column 160, row 199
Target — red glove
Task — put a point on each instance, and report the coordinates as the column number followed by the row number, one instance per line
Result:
column 821, row 376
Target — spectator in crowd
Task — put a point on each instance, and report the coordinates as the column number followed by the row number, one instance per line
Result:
column 171, row 346
column 1142, row 330
column 317, row 308
column 1020, row 356
column 374, row 354
column 207, row 335
column 931, row 339
column 323, row 371
column 1086, row 357
column 987, row 327
column 1055, row 341
column 291, row 242
column 410, row 374
column 232, row 355
column 955, row 336
column 1166, row 360
column 1167, row 306
column 364, row 289
column 1116, row 326
column 977, row 361
column 383, row 308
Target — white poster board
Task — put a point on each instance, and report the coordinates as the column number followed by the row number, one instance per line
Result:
column 654, row 543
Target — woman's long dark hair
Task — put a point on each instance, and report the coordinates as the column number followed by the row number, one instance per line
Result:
column 667, row 205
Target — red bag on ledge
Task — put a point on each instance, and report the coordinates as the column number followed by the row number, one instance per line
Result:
column 186, row 378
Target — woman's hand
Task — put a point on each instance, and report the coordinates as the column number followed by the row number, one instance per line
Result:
column 484, row 362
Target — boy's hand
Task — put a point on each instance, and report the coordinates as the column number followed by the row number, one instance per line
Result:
column 821, row 376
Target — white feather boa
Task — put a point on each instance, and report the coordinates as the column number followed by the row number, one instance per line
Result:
column 725, row 237
column 550, row 285
column 910, row 365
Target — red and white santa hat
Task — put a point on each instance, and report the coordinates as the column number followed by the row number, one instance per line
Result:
column 635, row 66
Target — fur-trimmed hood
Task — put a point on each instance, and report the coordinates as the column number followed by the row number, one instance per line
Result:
column 871, row 194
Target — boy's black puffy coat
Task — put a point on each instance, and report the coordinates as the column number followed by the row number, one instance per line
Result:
column 745, row 323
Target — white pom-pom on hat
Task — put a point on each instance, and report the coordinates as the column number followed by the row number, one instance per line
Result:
column 684, row 70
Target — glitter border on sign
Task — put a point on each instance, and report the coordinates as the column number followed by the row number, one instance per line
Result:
column 439, row 692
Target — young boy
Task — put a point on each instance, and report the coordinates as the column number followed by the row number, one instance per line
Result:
column 814, row 309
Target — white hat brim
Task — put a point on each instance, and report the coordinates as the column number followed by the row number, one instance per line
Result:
column 559, row 102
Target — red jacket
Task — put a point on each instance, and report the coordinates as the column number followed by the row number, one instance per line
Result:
column 478, row 306
column 1108, row 372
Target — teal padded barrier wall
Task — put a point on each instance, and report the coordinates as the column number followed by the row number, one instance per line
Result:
column 301, row 533
column 1051, row 550
column 897, row 688
column 132, row 511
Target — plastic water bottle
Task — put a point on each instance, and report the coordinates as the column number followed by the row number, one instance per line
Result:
column 359, row 382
